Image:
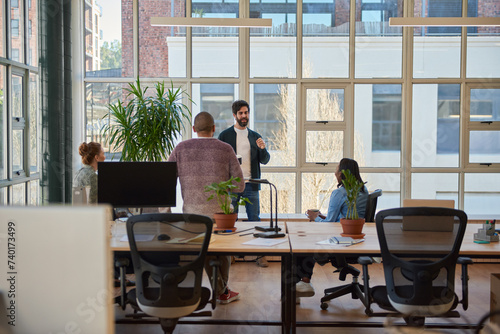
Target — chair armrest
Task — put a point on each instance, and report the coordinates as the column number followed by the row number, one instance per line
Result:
column 465, row 261
column 122, row 263
column 365, row 260
column 215, row 264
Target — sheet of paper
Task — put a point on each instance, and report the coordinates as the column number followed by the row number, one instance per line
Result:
column 330, row 243
column 139, row 237
column 197, row 240
column 265, row 242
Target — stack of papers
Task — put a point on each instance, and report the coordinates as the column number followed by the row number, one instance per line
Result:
column 196, row 240
column 139, row 237
column 265, row 242
column 341, row 241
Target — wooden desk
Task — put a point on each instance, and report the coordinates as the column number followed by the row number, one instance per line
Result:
column 232, row 244
column 304, row 235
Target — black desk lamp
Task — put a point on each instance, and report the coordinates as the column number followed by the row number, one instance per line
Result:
column 272, row 231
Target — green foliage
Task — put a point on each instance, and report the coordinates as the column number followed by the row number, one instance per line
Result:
column 146, row 128
column 111, row 55
column 352, row 187
column 223, row 194
column 198, row 12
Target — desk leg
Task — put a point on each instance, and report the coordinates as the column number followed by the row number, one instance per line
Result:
column 292, row 305
column 286, row 293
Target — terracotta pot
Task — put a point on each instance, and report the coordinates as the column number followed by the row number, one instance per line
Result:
column 352, row 227
column 225, row 221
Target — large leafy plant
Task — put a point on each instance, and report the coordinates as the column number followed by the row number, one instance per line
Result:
column 222, row 193
column 146, row 128
column 352, row 187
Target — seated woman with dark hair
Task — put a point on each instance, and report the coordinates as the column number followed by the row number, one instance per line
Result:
column 91, row 153
column 337, row 209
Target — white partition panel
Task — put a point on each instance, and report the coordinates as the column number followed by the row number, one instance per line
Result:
column 55, row 270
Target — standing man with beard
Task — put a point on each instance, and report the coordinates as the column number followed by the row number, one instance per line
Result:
column 252, row 148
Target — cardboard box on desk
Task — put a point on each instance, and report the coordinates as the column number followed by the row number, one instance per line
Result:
column 495, row 297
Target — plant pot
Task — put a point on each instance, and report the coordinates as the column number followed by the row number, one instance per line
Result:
column 225, row 221
column 352, row 227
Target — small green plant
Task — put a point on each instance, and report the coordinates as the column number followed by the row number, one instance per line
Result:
column 352, row 187
column 223, row 194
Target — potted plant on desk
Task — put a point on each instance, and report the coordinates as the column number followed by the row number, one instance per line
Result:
column 352, row 225
column 222, row 193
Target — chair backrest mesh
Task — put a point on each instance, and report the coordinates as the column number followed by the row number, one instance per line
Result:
column 168, row 251
column 419, row 266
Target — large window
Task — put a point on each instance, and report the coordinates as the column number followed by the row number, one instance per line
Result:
column 329, row 79
column 19, row 107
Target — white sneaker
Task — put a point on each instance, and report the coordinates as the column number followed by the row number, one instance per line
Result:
column 303, row 289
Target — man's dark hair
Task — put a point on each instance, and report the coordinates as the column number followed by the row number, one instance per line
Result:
column 203, row 122
column 237, row 105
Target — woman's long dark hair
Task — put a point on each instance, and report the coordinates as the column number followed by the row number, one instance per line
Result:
column 351, row 165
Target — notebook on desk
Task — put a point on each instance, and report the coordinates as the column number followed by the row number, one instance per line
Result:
column 428, row 223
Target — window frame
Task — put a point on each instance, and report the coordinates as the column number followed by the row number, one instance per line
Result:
column 406, row 80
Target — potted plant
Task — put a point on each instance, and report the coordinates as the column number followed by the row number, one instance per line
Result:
column 147, row 127
column 352, row 225
column 222, row 193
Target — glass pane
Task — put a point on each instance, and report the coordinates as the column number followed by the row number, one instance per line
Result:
column 2, row 33
column 436, row 125
column 325, row 41
column 215, row 49
column 483, row 43
column 377, row 125
column 98, row 97
column 390, row 183
column 485, row 105
column 285, row 184
column 325, row 105
column 109, row 39
column 273, row 50
column 17, row 32
column 33, row 32
column 274, row 117
column 3, row 126
column 435, row 186
column 436, row 50
column 34, row 129
column 17, row 150
column 316, row 190
column 484, row 147
column 17, row 96
column 19, row 194
column 3, row 196
column 378, row 51
column 162, row 50
column 34, row 192
column 217, row 100
column 482, row 194
column 324, row 146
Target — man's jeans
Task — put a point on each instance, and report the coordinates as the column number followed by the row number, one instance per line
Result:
column 253, row 210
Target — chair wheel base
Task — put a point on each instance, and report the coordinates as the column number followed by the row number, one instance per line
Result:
column 324, row 306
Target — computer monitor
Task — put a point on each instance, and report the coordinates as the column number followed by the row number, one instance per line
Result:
column 137, row 184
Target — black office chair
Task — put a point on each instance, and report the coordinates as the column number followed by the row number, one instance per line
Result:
column 419, row 264
column 168, row 253
column 371, row 205
column 341, row 262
